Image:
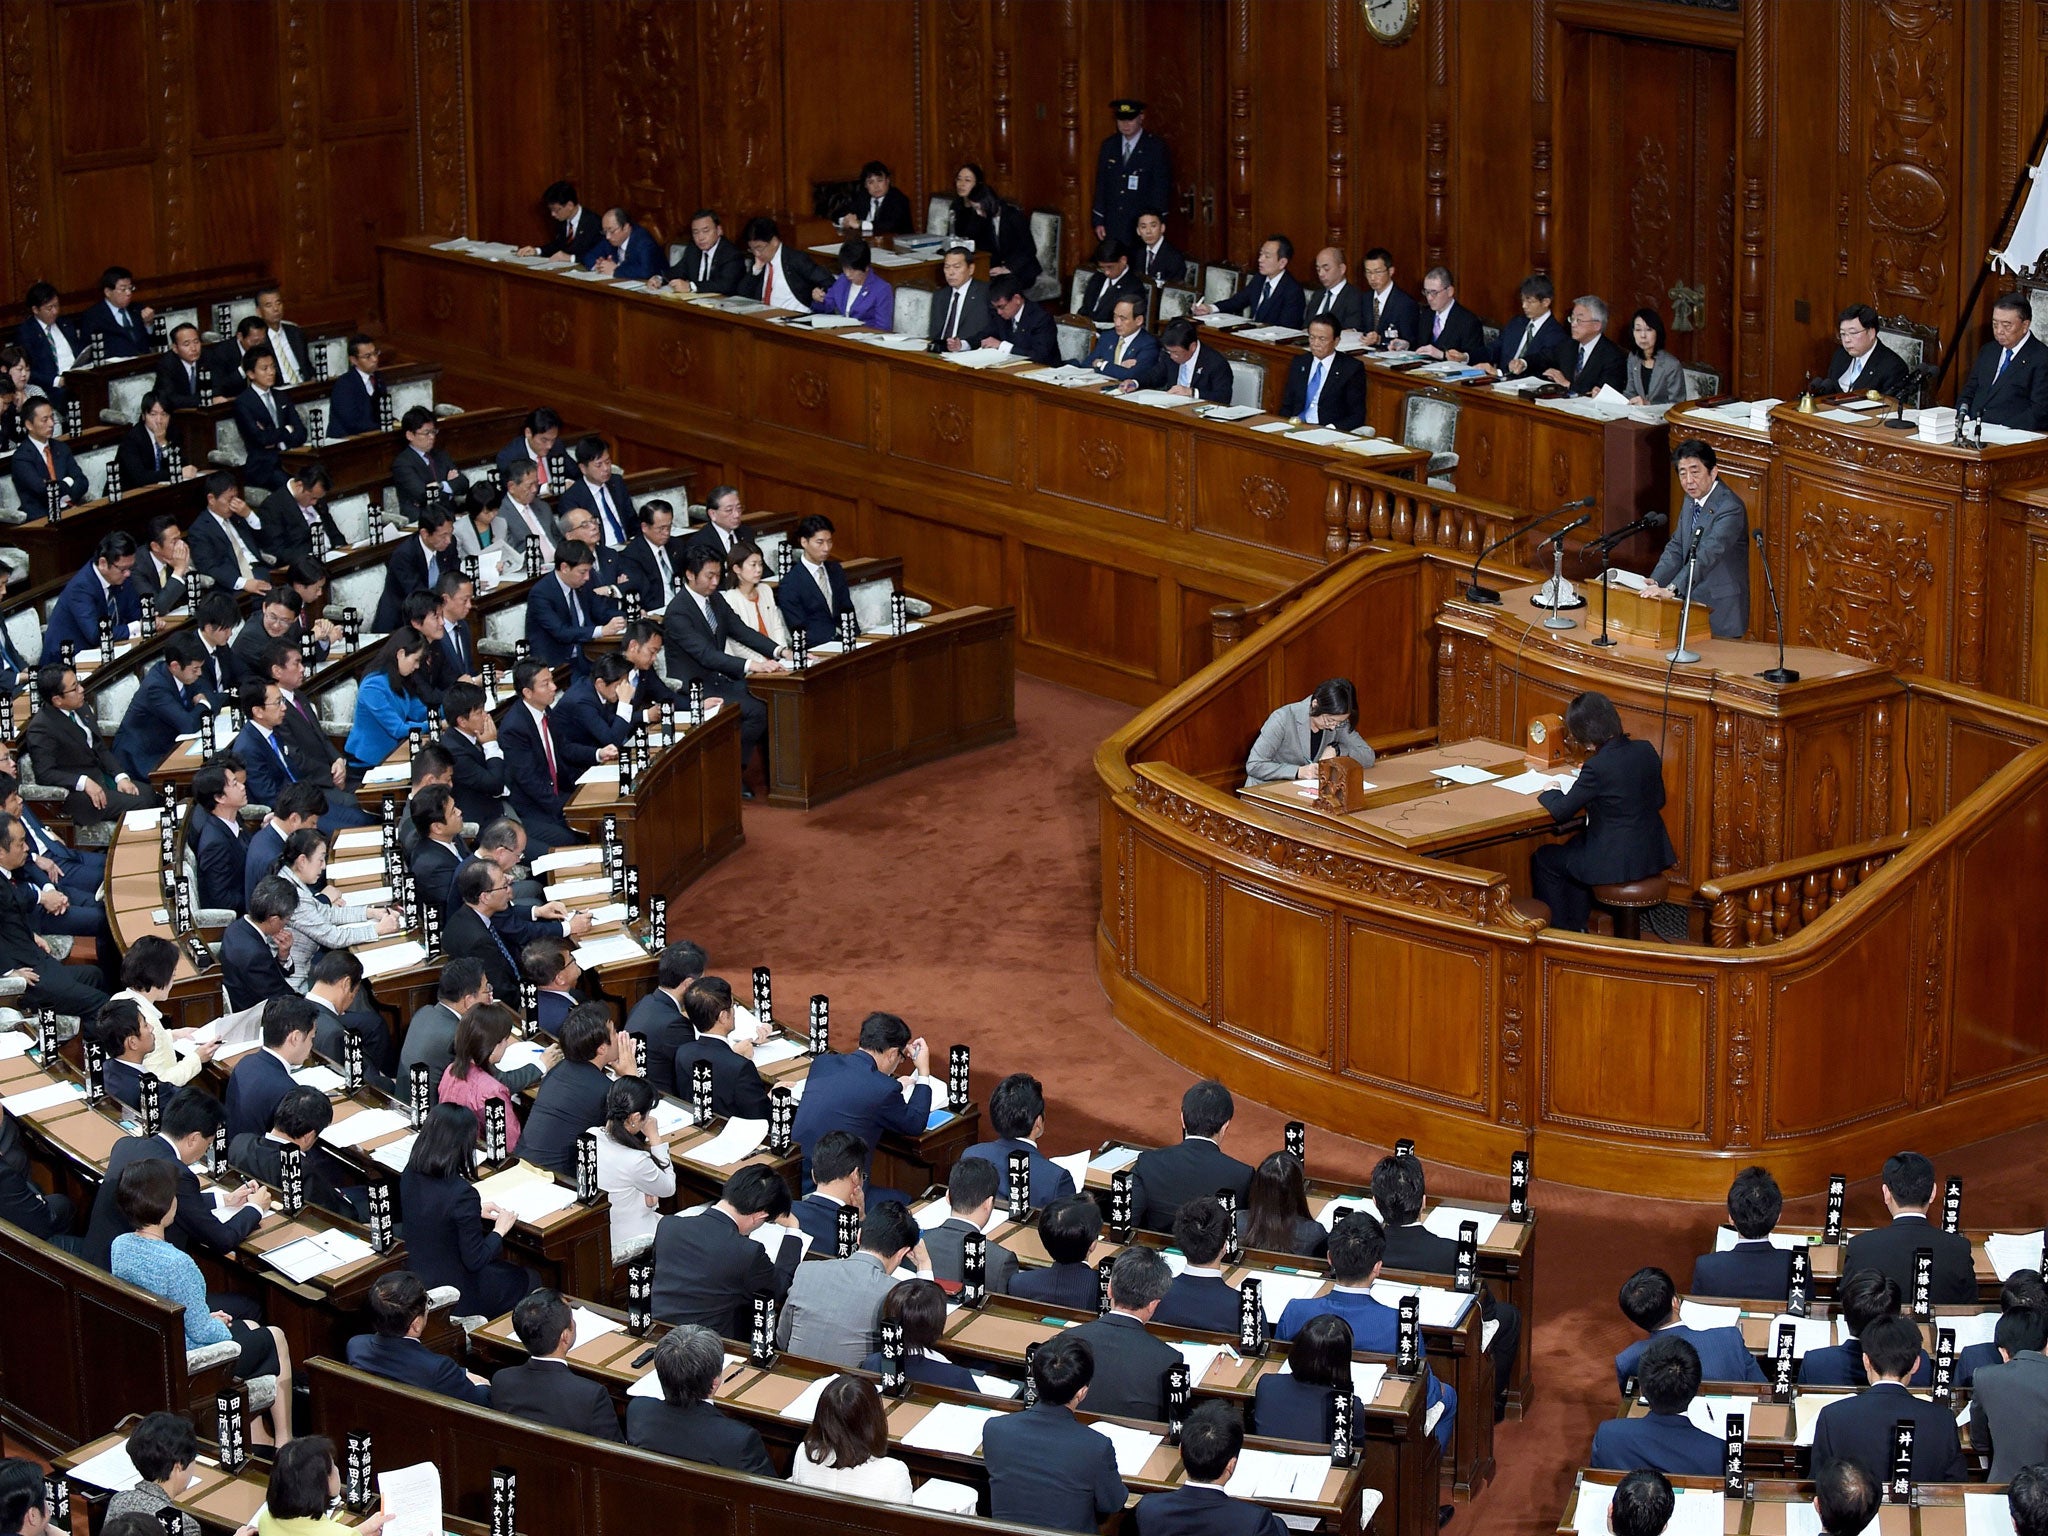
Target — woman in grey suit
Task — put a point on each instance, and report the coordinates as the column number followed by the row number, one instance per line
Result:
column 1655, row 377
column 1297, row 736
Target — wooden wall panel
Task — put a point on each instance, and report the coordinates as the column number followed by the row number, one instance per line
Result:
column 1428, row 1003
column 1170, row 925
column 834, row 119
column 1278, row 960
column 105, row 122
column 1875, row 1078
column 1663, row 1044
column 526, row 118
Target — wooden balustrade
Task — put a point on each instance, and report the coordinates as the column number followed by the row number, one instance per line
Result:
column 1769, row 905
column 1366, row 508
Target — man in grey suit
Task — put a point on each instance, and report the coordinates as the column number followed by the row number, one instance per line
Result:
column 522, row 515
column 1130, row 1363
column 971, row 1192
column 1710, row 536
column 1297, row 736
column 835, row 1305
column 2009, row 1402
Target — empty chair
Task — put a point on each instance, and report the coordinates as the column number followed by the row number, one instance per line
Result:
column 1247, row 383
column 1429, row 420
column 913, row 311
column 1219, row 282
column 1046, row 227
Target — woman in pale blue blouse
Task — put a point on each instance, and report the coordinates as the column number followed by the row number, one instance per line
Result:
column 148, row 1196
column 387, row 707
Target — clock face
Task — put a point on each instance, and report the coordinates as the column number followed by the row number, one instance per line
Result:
column 1538, row 732
column 1390, row 20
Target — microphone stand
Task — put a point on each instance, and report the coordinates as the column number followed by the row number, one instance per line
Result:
column 1474, row 592
column 1556, row 542
column 1692, row 565
column 1604, row 640
column 1780, row 673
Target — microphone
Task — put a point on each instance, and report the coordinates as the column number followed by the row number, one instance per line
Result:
column 1780, row 673
column 1558, row 537
column 1476, row 593
column 1642, row 524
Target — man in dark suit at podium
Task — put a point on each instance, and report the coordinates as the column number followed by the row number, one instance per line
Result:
column 1708, row 545
column 2008, row 387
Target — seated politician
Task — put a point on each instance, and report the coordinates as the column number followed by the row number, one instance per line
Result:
column 813, row 594
column 1663, row 1439
column 1127, row 352
column 1621, row 790
column 1297, row 736
column 1325, row 387
column 398, row 1314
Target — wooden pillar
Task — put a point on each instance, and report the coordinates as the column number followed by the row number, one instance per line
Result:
column 1241, row 243
column 1337, row 89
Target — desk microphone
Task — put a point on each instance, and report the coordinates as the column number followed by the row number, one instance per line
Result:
column 1474, row 592
column 1779, row 673
column 1558, row 537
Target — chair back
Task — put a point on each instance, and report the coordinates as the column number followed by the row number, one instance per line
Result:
column 330, row 352
column 351, row 515
column 938, row 215
column 336, row 706
column 409, row 393
column 913, row 311
column 1701, row 383
column 871, row 605
column 358, row 589
column 124, row 396
column 1918, row 345
column 1429, row 420
column 227, row 442
column 1219, row 281
column 93, row 462
column 507, row 624
column 1076, row 338
column 1174, row 302
column 25, row 630
column 1247, row 383
column 1046, row 229
column 111, row 700
column 1077, row 288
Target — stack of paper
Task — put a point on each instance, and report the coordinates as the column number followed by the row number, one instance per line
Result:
column 1227, row 412
column 2008, row 1251
column 141, row 821
column 1068, row 376
column 411, row 1496
column 384, row 773
column 326, row 1079
column 35, row 1100
column 1372, row 446
column 599, row 773
column 1277, row 1289
column 395, row 1154
column 978, row 357
column 1222, row 320
column 14, row 1043
column 1441, row 1307
column 1134, row 1447
column 567, row 858
column 367, row 840
column 591, row 1325
column 1711, row 1413
column 592, row 954
column 909, row 1085
column 1700, row 1314
column 738, row 1140
column 1198, row 1356
column 1110, row 1161
column 111, row 1470
column 773, row 1052
column 521, row 1053
column 954, row 1428
column 578, row 890
column 1320, row 437
column 1698, row 1512
column 385, row 959
column 364, row 1125
column 1267, row 1475
column 1810, row 1333
column 530, row 1202
column 1443, row 1220
column 1165, row 399
column 669, row 1118
column 1343, row 1206
column 803, row 1408
column 951, row 1498
column 1984, row 1514
column 317, row 1255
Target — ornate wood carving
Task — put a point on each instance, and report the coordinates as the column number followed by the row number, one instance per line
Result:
column 1239, row 65
column 810, row 388
column 1721, row 857
column 1907, row 204
column 643, row 77
column 740, row 53
column 441, row 112
column 1073, row 207
column 961, row 48
column 1436, row 151
column 1101, row 458
column 1742, row 1030
column 1540, row 144
column 173, row 169
column 1877, row 817
column 302, row 252
column 554, row 327
column 1933, row 980
column 26, row 152
column 679, row 355
column 1000, row 34
column 1336, row 134
column 1179, row 484
column 1513, row 963
column 1751, row 363
column 1264, row 497
column 948, row 424
column 1865, row 574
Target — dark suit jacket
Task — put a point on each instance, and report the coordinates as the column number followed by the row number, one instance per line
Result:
column 976, row 318
column 222, row 854
column 588, row 233
column 286, row 336
column 79, row 608
column 286, row 533
column 706, row 1272
column 569, row 1102
column 411, row 475
column 1045, row 1467
column 213, row 554
column 1346, row 307
column 803, row 603
column 1861, row 1427
column 305, row 742
column 550, row 1392
column 1342, row 402
column 1269, row 301
column 641, row 258
column 803, row 274
column 1551, row 348
column 251, row 974
column 465, row 935
column 2019, row 398
column 1606, row 365
column 255, row 1088
column 1049, row 1181
column 1130, row 1367
column 268, row 775
column 257, row 1155
column 1463, row 332
column 25, row 1205
column 1126, row 184
column 694, row 650
column 658, row 1021
column 1664, row 1442
column 1199, row 1301
column 1212, row 379
column 1288, row 1408
column 722, row 269
column 736, row 1087
column 1163, row 265
column 178, row 382
column 1883, row 370
column 817, row 1216
column 1723, row 1355
column 639, row 572
column 1164, row 1179
column 1718, row 527
column 1032, row 334
column 1621, row 790
column 447, row 1241
column 140, row 464
column 412, row 1363
column 195, row 1228
column 1059, row 1285
column 1889, row 1249
column 946, row 1246
column 554, row 634
column 890, row 217
column 1749, row 1269
column 352, row 404
column 405, row 572
column 32, row 476
column 2009, row 1412
column 433, row 870
column 41, row 355
column 479, row 780
column 580, row 494
column 1841, row 1365
column 928, row 1370
column 850, row 1093
column 1098, row 299
column 531, row 791
column 583, row 723
column 62, row 754
column 167, row 588
column 697, row 1432
column 1204, row 1511
column 264, row 438
column 1144, row 363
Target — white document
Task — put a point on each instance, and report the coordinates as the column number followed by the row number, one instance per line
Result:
column 770, row 1237
column 386, row 773
column 669, row 1117
column 740, row 1139
column 136, row 821
column 14, row 1043
column 1276, row 1289
column 1274, row 333
column 591, row 1325
column 1228, row 412
column 2007, row 435
column 1343, row 1206
column 1464, row 773
column 38, row 1099
column 300, row 1261
column 1372, row 446
column 599, row 773
column 915, row 1081
column 769, row 1053
column 387, row 958
column 1198, row 1356
column 592, row 954
column 1277, row 1475
column 326, row 1079
column 978, row 357
column 951, row 1498
column 412, row 1497
column 804, row 1406
column 395, row 1154
column 532, row 1201
column 892, row 340
column 1984, row 1514
column 1223, row 320
column 1274, row 426
column 1589, row 1512
column 1164, row 399
column 1607, row 394
column 1811, row 1333
column 1441, row 1307
column 1840, row 415
column 567, row 858
column 1711, row 1413
column 1076, row 1164
column 357, row 839
column 830, row 323
column 994, row 1386
column 610, row 912
column 113, row 1471
column 1533, row 782
column 577, row 890
column 1700, row 1314
column 1802, row 1519
column 2007, row 1251
column 521, row 1053
column 1321, row 437
column 1111, row 1161
column 356, row 869
column 364, row 1125
column 1134, row 1447
column 951, row 1427
column 1067, row 376
column 1443, row 1221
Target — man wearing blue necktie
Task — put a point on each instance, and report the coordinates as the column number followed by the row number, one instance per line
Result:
column 602, row 490
column 97, row 592
column 115, row 319
column 2008, row 387
column 1325, row 388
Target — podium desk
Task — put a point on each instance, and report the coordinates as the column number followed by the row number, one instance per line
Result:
column 947, row 685
column 1754, row 772
column 683, row 815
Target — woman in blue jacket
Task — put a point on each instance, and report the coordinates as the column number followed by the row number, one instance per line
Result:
column 387, row 707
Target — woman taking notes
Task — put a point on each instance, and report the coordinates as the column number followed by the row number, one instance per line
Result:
column 1297, row 736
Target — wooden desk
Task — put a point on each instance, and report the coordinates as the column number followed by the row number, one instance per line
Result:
column 1937, row 1509
column 684, row 813
column 63, row 548
column 1410, row 805
column 947, row 686
column 363, row 462
column 822, row 238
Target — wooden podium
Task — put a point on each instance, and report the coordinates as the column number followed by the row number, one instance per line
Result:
column 1651, row 621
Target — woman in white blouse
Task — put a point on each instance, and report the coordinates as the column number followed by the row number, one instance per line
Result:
column 752, row 601
column 636, row 1175
column 146, row 972
column 847, row 1448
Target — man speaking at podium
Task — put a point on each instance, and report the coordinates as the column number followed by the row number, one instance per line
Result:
column 1708, row 547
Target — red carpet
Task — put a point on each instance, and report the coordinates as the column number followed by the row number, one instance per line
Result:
column 963, row 896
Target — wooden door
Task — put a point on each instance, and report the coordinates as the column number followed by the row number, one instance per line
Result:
column 1174, row 54
column 1647, row 215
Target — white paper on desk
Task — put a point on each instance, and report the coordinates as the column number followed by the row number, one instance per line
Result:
column 669, row 1117
column 1607, row 394
column 1700, row 1314
column 1134, row 1447
column 355, row 869
column 530, row 1202
column 978, row 357
column 2009, row 1251
column 371, row 896
column 1521, row 386
column 1277, row 1475
column 326, row 1079
column 384, row 959
column 1351, row 341
column 1628, row 580
column 364, row 1125
column 1164, row 399
column 1274, row 333
column 894, row 341
column 909, row 1085
column 590, row 1325
column 895, row 259
column 1274, row 426
column 302, row 1260
column 412, row 1495
column 945, row 1496
column 1223, row 320
column 14, row 1043
column 830, row 323
column 1076, row 1164
column 1810, row 1333
column 567, row 858
column 1277, row 1289
column 1443, row 1221
column 1226, row 412
column 1320, row 437
column 1710, row 1413
column 803, row 1408
column 599, row 773
column 1343, row 1206
column 37, row 1099
column 1839, row 415
column 111, row 1469
column 368, row 839
column 137, row 821
column 1970, row 1327
column 1986, row 1514
column 1464, row 773
column 769, row 1053
column 1801, row 1518
column 1110, row 1161
column 1198, row 1356
column 395, row 1154
column 1532, row 782
column 2007, row 435
column 770, row 1237
column 1441, row 1307
column 609, row 912
column 591, row 954
column 387, row 773
column 1377, row 446
column 576, row 890
column 234, row 1048
column 739, row 1139
column 951, row 1427
column 1067, row 376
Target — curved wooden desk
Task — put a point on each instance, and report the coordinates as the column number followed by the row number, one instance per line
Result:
column 1389, row 994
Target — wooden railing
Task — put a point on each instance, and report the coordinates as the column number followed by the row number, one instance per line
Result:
column 1367, row 508
column 1769, row 905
